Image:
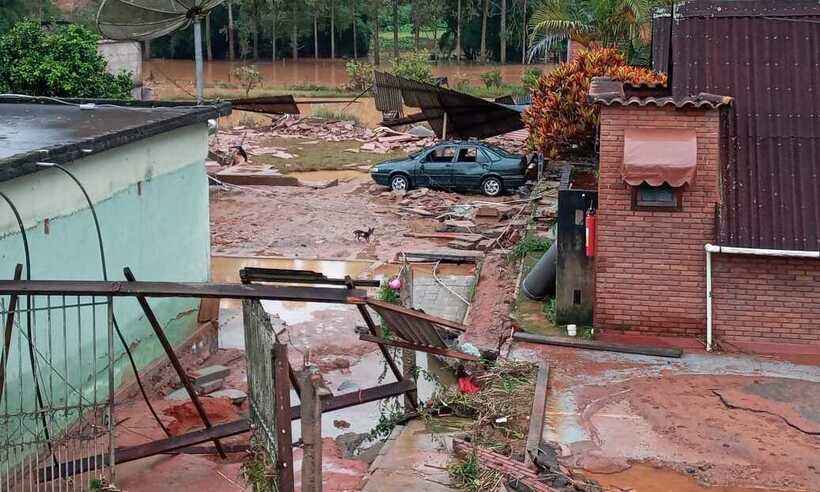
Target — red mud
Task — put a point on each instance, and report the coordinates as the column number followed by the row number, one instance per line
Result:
column 186, row 417
column 338, row 474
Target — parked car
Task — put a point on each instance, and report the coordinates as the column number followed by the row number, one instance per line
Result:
column 455, row 165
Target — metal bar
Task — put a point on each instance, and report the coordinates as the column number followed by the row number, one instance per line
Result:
column 163, row 446
column 172, row 356
column 416, row 314
column 371, row 326
column 18, row 274
column 284, row 450
column 255, row 274
column 421, row 348
column 180, row 289
column 596, row 345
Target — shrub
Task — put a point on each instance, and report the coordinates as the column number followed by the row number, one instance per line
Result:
column 561, row 120
column 327, row 114
column 360, row 74
column 248, row 76
column 414, row 66
column 530, row 78
column 59, row 63
column 492, row 78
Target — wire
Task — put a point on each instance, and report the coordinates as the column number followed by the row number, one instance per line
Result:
column 451, row 291
column 105, row 277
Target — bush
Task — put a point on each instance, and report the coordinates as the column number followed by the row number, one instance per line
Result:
column 360, row 74
column 492, row 78
column 59, row 63
column 530, row 78
column 561, row 120
column 414, row 66
column 248, row 76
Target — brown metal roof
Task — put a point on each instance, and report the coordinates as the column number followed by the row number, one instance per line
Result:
column 467, row 116
column 766, row 55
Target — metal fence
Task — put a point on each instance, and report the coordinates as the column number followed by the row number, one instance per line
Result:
column 56, row 399
column 260, row 339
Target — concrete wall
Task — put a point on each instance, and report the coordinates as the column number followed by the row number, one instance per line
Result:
column 650, row 265
column 122, row 56
column 152, row 200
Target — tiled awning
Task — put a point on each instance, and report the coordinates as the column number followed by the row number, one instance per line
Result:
column 657, row 156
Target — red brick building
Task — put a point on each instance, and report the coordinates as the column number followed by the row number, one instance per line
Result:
column 660, row 193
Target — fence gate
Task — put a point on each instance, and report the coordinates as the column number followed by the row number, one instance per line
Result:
column 259, row 344
column 56, row 392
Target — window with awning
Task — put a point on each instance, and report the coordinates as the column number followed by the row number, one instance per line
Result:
column 659, row 156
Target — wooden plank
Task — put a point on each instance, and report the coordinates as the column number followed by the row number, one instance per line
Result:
column 448, row 255
column 539, row 407
column 255, row 274
column 281, row 388
column 446, row 235
column 311, row 433
column 421, row 348
column 416, row 314
column 596, row 345
column 102, row 288
column 18, row 273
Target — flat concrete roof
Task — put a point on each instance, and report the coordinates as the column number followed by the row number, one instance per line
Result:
column 46, row 130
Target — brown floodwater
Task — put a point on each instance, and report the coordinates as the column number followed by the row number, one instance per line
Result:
column 322, row 72
column 642, row 477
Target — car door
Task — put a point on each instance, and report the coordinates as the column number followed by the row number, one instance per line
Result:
column 436, row 168
column 470, row 167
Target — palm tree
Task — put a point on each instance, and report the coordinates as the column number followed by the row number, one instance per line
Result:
column 623, row 24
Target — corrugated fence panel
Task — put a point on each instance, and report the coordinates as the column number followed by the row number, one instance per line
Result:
column 766, row 55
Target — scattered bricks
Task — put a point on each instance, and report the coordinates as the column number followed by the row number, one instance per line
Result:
column 487, row 212
column 210, row 373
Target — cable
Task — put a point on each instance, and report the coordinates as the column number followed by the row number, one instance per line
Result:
column 105, row 277
column 37, row 393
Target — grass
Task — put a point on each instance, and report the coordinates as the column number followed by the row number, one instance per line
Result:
column 467, row 474
column 259, row 471
column 529, row 244
column 329, row 114
column 320, row 156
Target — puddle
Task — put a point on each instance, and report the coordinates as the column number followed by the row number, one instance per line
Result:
column 642, row 477
column 343, row 176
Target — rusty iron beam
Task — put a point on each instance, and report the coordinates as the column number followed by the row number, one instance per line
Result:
column 371, row 326
column 256, row 274
column 421, row 348
column 180, row 289
column 18, row 274
column 172, row 356
column 281, row 387
column 219, row 431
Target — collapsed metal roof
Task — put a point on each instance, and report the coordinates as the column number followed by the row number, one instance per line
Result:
column 466, row 116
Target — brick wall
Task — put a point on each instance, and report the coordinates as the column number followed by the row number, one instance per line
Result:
column 650, row 265
column 766, row 299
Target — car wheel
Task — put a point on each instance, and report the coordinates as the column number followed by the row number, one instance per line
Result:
column 491, row 186
column 399, row 182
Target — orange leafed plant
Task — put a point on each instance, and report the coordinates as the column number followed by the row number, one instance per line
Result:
column 561, row 120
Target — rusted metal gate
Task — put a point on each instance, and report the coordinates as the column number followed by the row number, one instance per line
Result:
column 56, row 400
column 259, row 345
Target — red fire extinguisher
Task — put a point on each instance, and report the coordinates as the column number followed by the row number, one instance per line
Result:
column 590, row 233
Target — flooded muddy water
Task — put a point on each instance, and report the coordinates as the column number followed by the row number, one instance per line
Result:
column 305, row 72
column 324, row 176
column 643, row 477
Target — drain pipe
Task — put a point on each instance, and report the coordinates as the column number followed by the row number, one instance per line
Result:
column 711, row 248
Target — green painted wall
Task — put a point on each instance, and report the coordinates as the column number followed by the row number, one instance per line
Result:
column 151, row 197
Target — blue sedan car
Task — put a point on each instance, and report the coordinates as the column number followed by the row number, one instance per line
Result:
column 451, row 165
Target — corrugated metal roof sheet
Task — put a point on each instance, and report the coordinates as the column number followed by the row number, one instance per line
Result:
column 766, row 55
column 467, row 116
column 413, row 326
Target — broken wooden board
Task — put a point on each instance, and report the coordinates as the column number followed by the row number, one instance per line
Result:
column 446, row 235
column 251, row 176
column 539, row 408
column 596, row 345
column 463, row 245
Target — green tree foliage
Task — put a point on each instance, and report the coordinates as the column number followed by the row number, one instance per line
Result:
column 622, row 24
column 12, row 11
column 415, row 66
column 62, row 63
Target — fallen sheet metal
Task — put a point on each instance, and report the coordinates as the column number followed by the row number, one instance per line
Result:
column 467, row 116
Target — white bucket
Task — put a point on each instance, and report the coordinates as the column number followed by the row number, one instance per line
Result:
column 571, row 330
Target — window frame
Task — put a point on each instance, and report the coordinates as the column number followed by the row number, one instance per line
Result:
column 639, row 206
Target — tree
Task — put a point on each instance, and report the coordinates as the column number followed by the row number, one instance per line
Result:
column 231, row 29
column 623, row 24
column 395, row 29
column 376, row 47
column 503, row 32
column 484, row 14
column 294, row 33
column 332, row 29
column 60, row 63
column 209, row 51
column 458, row 33
column 561, row 121
column 12, row 11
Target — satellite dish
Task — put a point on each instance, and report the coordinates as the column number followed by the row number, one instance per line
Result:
column 142, row 20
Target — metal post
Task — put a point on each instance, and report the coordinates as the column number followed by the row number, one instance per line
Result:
column 200, row 82
column 281, row 385
column 408, row 356
column 311, row 420
column 18, row 274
